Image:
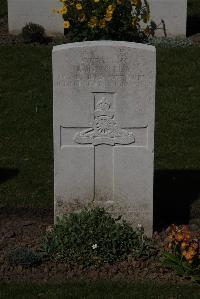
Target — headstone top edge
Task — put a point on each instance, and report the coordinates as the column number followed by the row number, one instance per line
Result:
column 132, row 45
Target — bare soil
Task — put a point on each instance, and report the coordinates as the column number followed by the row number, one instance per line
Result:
column 25, row 227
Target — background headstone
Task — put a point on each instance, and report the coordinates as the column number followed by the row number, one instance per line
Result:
column 174, row 14
column 104, row 97
column 21, row 12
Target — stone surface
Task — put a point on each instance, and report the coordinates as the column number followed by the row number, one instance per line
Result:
column 21, row 12
column 104, row 97
column 174, row 14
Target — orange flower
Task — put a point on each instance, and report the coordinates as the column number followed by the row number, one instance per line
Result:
column 179, row 236
column 184, row 253
column 183, row 245
column 187, row 236
column 188, row 256
column 192, row 252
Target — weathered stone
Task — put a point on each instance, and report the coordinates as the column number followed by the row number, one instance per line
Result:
column 21, row 12
column 104, row 97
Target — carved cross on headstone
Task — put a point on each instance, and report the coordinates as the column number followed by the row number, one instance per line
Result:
column 105, row 135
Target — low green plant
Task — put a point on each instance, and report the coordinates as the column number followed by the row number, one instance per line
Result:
column 182, row 252
column 24, row 256
column 144, row 247
column 93, row 237
column 33, row 33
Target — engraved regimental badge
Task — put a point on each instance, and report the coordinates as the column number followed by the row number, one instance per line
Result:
column 105, row 130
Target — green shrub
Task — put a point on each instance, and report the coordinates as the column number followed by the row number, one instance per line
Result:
column 24, row 256
column 33, row 33
column 107, row 19
column 93, row 237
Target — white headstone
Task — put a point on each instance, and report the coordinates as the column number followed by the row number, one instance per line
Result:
column 104, row 97
column 173, row 13
column 21, row 12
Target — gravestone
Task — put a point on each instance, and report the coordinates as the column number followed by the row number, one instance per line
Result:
column 104, row 97
column 173, row 13
column 21, row 12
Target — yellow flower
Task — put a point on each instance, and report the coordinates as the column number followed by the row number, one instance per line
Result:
column 66, row 24
column 108, row 16
column 81, row 18
column 134, row 2
column 102, row 23
column 110, row 7
column 93, row 22
column 79, row 6
column 64, row 10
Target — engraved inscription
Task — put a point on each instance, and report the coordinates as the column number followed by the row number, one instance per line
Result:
column 105, row 129
column 96, row 71
column 114, row 80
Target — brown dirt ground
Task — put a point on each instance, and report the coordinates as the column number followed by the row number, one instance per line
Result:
column 25, row 227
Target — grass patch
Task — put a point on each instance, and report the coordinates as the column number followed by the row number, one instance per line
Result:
column 177, row 142
column 26, row 126
column 98, row 290
column 3, row 8
column 26, row 148
column 193, row 8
